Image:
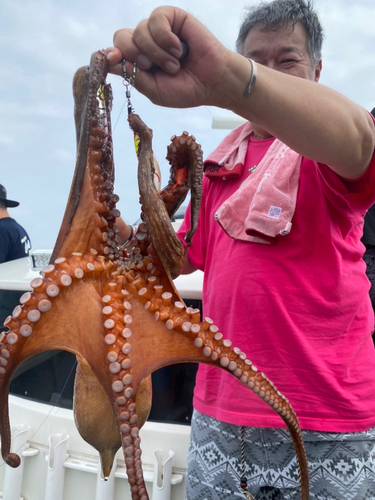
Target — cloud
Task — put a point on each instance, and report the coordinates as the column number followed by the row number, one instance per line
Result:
column 348, row 48
column 7, row 140
column 65, row 155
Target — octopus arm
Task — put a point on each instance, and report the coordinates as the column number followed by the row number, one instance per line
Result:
column 179, row 336
column 90, row 210
column 154, row 212
column 44, row 322
column 186, row 159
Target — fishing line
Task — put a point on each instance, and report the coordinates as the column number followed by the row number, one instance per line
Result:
column 119, row 116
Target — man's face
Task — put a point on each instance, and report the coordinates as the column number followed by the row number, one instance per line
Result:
column 283, row 49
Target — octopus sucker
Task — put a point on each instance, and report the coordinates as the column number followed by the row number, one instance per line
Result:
column 131, row 319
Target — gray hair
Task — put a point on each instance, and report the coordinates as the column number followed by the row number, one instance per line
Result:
column 280, row 13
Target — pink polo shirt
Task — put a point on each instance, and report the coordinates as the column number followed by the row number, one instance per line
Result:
column 299, row 308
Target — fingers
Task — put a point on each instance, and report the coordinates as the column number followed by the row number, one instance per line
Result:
column 151, row 37
column 159, row 35
column 155, row 47
column 124, row 48
column 123, row 40
column 154, row 42
column 114, row 56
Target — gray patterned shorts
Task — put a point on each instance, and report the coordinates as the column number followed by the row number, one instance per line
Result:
column 342, row 466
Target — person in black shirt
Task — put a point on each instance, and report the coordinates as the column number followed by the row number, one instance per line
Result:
column 368, row 239
column 14, row 244
column 14, row 240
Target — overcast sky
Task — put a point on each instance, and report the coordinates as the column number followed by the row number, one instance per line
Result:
column 43, row 42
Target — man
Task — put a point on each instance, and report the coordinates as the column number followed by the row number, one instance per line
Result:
column 368, row 240
column 14, row 240
column 286, row 282
column 14, row 244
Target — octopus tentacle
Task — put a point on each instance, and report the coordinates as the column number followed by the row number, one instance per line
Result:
column 132, row 320
column 93, row 226
column 182, row 152
column 130, row 440
column 154, row 211
column 186, row 173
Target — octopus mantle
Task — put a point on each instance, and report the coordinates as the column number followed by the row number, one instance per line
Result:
column 117, row 309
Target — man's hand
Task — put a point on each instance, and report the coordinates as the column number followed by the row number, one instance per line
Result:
column 156, row 48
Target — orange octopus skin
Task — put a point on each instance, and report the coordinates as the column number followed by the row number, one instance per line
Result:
column 132, row 320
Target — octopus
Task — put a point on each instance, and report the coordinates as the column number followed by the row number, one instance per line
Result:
column 117, row 308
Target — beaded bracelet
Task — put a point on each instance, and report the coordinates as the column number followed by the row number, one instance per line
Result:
column 252, row 79
column 133, row 232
